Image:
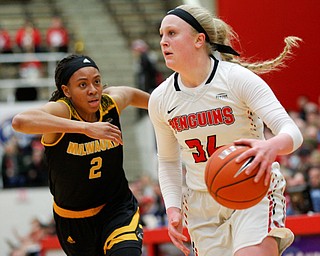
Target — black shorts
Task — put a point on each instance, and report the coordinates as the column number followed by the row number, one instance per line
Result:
column 103, row 233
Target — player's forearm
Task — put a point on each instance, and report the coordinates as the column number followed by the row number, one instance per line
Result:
column 40, row 122
column 125, row 96
column 143, row 101
column 283, row 142
column 139, row 98
column 170, row 179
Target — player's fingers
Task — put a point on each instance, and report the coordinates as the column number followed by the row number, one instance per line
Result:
column 245, row 155
column 113, row 128
column 251, row 161
column 117, row 139
column 176, row 234
column 114, row 133
column 264, row 169
column 254, row 160
column 243, row 142
column 179, row 244
column 253, row 165
column 268, row 176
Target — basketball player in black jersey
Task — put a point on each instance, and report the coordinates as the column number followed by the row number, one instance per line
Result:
column 94, row 209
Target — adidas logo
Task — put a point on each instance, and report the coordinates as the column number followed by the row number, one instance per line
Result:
column 86, row 61
column 70, row 240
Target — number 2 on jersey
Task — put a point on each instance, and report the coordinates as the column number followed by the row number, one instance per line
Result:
column 96, row 165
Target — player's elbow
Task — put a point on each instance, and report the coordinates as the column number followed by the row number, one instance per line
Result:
column 18, row 122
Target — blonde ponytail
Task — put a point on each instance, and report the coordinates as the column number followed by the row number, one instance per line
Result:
column 273, row 64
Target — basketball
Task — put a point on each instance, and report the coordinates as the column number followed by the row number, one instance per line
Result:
column 227, row 181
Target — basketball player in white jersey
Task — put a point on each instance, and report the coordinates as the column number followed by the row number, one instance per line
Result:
column 212, row 99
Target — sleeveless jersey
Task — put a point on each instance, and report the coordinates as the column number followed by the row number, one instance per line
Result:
column 85, row 172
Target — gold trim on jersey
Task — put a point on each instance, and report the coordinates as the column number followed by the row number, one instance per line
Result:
column 76, row 214
column 124, row 233
column 108, row 103
column 114, row 102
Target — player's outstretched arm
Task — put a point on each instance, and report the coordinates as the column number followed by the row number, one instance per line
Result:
column 49, row 118
column 53, row 118
column 125, row 96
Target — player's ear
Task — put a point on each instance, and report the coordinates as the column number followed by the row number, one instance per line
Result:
column 200, row 40
column 65, row 90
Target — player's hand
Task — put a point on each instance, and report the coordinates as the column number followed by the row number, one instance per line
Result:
column 103, row 130
column 264, row 154
column 175, row 229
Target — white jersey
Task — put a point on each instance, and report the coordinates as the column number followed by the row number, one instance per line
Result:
column 232, row 103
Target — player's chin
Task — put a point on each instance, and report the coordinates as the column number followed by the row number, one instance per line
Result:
column 170, row 64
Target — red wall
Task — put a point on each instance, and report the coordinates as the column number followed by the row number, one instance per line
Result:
column 263, row 24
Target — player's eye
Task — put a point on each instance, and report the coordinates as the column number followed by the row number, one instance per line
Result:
column 82, row 85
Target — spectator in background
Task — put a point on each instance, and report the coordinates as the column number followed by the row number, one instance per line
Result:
column 314, row 183
column 315, row 157
column 6, row 69
column 57, row 36
column 302, row 100
column 36, row 170
column 160, row 210
column 28, row 38
column 29, row 71
column 30, row 243
column 298, row 195
column 304, row 154
column 151, row 204
column 12, row 165
column 145, row 69
column 311, row 112
column 5, row 41
column 302, row 190
column 148, row 217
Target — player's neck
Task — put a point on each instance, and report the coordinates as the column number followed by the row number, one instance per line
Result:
column 197, row 74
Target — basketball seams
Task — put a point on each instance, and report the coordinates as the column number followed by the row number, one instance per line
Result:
column 219, row 170
column 233, row 155
column 232, row 192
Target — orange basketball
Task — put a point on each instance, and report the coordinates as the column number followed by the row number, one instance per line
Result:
column 227, row 181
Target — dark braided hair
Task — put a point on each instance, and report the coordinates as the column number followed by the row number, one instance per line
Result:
column 58, row 93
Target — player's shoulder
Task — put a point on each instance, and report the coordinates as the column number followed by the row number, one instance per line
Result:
column 61, row 108
column 106, row 97
column 160, row 96
column 163, row 89
column 230, row 66
column 235, row 72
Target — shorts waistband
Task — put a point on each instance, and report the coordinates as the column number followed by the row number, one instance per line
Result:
column 76, row 214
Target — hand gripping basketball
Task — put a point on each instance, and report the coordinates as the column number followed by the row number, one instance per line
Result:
column 227, row 181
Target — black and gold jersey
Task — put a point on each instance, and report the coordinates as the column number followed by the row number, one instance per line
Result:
column 85, row 172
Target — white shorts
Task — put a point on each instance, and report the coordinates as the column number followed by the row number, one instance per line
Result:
column 217, row 230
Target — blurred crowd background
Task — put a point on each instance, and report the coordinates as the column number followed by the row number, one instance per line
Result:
column 37, row 33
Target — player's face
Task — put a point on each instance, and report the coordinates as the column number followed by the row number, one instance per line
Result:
column 177, row 42
column 84, row 90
